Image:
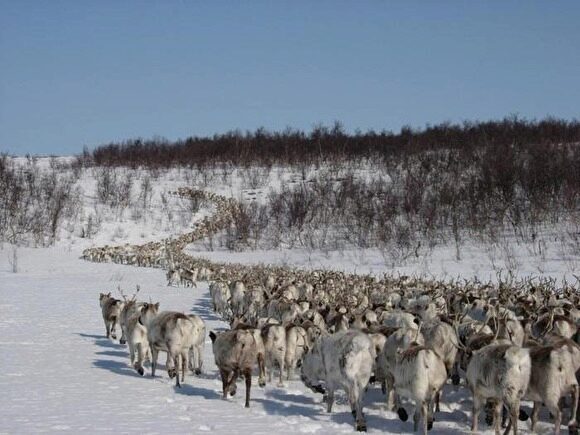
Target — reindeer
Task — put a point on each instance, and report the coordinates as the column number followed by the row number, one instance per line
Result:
column 397, row 340
column 111, row 310
column 296, row 344
column 442, row 339
column 135, row 334
column 188, row 277
column 171, row 332
column 274, row 338
column 196, row 350
column 128, row 311
column 235, row 353
column 419, row 375
column 554, row 369
column 342, row 360
column 500, row 372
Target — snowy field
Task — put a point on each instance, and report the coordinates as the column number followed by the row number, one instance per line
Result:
column 59, row 373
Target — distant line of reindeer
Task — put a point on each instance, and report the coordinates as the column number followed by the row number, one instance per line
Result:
column 512, row 341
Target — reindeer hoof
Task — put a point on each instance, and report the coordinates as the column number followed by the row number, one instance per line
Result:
column 429, row 424
column 403, row 416
column 372, row 379
column 262, row 383
column 171, row 373
column 455, row 379
column 197, row 372
column 361, row 427
column 141, row 371
column 523, row 415
column 573, row 429
column 247, row 405
column 114, row 336
column 122, row 341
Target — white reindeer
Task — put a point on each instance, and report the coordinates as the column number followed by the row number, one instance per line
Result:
column 343, row 360
column 419, row 375
column 553, row 376
column 171, row 332
column 500, row 372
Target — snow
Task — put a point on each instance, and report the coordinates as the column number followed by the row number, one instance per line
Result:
column 58, row 373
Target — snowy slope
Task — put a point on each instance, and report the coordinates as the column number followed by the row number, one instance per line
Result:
column 59, row 373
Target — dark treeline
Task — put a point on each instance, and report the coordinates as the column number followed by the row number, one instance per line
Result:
column 324, row 144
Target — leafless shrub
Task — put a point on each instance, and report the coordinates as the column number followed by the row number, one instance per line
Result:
column 146, row 191
column 34, row 202
column 254, row 177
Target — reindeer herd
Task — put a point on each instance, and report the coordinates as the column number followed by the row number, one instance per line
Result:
column 409, row 337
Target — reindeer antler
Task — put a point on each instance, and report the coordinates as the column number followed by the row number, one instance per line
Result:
column 134, row 297
column 121, row 292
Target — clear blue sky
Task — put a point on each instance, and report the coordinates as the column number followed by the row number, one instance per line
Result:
column 75, row 73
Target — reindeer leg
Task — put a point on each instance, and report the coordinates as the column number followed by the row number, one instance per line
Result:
column 198, row 369
column 248, row 376
column 555, row 411
column 573, row 423
column 113, row 333
column 514, row 410
column 170, row 365
column 355, row 397
column 154, row 355
column 269, row 368
column 390, row 393
column 131, row 353
column 477, row 403
column 262, row 371
column 177, row 359
column 417, row 417
column 232, row 387
column 139, row 364
column 225, row 375
column 108, row 328
column 497, row 407
column 329, row 399
column 289, row 370
column 184, row 363
column 191, row 360
column 425, row 417
column 535, row 414
column 281, row 366
column 401, row 411
column 455, row 378
column 123, row 339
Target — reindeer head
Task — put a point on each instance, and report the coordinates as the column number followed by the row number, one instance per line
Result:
column 148, row 312
column 103, row 297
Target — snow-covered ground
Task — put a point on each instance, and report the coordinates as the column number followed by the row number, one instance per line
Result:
column 59, row 373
